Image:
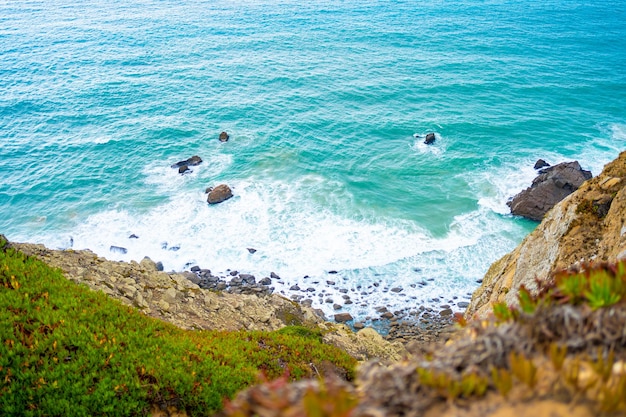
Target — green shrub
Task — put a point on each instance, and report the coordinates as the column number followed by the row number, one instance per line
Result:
column 67, row 350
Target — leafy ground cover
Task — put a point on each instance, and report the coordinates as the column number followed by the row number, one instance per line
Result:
column 67, row 350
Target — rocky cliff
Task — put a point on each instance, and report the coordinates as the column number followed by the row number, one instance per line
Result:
column 587, row 226
column 174, row 298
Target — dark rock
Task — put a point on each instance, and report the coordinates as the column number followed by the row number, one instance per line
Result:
column 337, row 306
column 294, row 288
column 183, row 169
column 274, row 276
column 430, row 139
column 247, row 278
column 159, row 266
column 307, row 303
column 233, row 273
column 332, row 272
column 220, row 193
column 329, row 301
column 265, row 281
column 396, row 289
column 251, row 250
column 195, row 268
column 224, row 137
column 330, row 282
column 551, row 186
column 463, row 304
column 133, row 236
column 359, row 326
column 541, row 164
column 445, row 313
column 343, row 290
column 221, row 286
column 343, row 317
column 118, row 249
column 348, row 302
column 193, row 161
column 174, row 248
column 387, row 315
column 310, row 289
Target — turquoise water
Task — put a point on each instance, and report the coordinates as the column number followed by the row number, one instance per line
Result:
column 322, row 102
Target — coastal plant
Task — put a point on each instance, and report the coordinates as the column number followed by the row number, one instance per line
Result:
column 523, row 369
column 502, row 312
column 557, row 355
column 502, row 380
column 527, row 302
column 604, row 289
column 68, row 350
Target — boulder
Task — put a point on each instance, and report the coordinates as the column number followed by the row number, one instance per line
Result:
column 541, row 164
column 224, row 137
column 552, row 185
column 430, row 139
column 343, row 317
column 220, row 193
column 193, row 161
column 183, row 169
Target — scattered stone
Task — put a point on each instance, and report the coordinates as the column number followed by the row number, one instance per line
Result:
column 251, row 250
column 195, row 268
column 445, row 313
column 337, row 306
column 463, row 304
column 343, row 317
column 359, row 326
column 310, row 289
column 224, row 137
column 118, row 249
column 274, row 276
column 332, row 272
column 159, row 266
column 184, row 169
column 294, row 288
column 219, row 194
column 133, row 236
column 396, row 289
column 343, row 290
column 330, row 282
column 265, row 281
column 387, row 315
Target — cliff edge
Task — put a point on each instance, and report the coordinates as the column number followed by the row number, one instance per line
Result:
column 587, row 226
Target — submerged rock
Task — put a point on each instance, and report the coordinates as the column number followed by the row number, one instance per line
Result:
column 224, row 137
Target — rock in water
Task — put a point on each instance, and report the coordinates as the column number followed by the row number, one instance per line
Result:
column 220, row 193
column 343, row 317
column 430, row 139
column 193, row 161
column 551, row 186
column 541, row 164
column 224, row 137
column 183, row 169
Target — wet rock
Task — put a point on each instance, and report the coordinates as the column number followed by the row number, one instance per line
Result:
column 294, row 288
column 193, row 161
column 552, row 185
column 359, row 326
column 396, row 289
column 224, row 137
column 541, row 164
column 463, row 304
column 387, row 315
column 337, row 306
column 330, row 282
column 430, row 139
column 184, row 169
column 274, row 275
column 219, row 194
column 265, row 281
column 159, row 266
column 133, row 236
column 118, row 249
column 251, row 250
column 445, row 313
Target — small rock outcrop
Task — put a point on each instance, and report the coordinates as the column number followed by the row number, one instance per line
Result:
column 219, row 194
column 540, row 164
column 587, row 226
column 430, row 139
column 551, row 186
column 193, row 161
column 224, row 137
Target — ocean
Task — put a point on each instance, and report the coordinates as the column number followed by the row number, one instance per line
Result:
column 326, row 104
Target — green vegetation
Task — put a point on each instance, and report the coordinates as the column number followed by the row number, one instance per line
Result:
column 67, row 350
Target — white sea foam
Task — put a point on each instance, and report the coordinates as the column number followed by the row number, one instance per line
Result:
column 296, row 236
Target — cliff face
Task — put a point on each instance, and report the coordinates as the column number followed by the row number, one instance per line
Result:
column 587, row 226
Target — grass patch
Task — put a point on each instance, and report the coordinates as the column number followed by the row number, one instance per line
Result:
column 67, row 350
